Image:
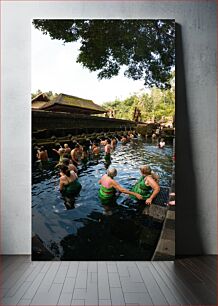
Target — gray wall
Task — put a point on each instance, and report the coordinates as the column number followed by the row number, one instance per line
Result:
column 196, row 113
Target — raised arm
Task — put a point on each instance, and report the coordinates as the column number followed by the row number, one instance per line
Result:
column 55, row 151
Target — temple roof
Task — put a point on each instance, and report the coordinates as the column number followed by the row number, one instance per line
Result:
column 67, row 103
column 40, row 100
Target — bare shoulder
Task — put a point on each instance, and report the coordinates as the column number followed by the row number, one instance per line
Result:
column 63, row 178
column 113, row 183
column 149, row 180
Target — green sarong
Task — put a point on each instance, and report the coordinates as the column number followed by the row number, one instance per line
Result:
column 107, row 158
column 140, row 187
column 107, row 195
column 72, row 189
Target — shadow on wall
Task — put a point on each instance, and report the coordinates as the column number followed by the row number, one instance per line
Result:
column 189, row 240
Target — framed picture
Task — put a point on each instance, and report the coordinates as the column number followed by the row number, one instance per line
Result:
column 103, row 137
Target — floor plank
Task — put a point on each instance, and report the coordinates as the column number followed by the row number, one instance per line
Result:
column 187, row 281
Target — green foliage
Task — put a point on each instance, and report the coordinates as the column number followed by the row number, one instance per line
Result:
column 158, row 104
column 33, row 95
column 145, row 47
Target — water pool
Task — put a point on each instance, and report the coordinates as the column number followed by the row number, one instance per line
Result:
column 90, row 231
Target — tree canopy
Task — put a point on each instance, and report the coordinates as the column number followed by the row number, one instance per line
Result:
column 146, row 48
column 157, row 104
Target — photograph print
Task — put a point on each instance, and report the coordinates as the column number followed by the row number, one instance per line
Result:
column 103, row 139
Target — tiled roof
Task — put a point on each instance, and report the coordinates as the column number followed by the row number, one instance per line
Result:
column 67, row 100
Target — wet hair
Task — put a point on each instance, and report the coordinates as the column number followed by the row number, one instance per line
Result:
column 66, row 161
column 146, row 170
column 77, row 146
column 42, row 148
column 73, row 144
column 57, row 146
column 112, row 172
column 65, row 170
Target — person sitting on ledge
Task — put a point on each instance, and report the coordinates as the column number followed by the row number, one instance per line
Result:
column 161, row 144
column 147, row 186
column 109, row 186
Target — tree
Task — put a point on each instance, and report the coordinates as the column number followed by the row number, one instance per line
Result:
column 33, row 95
column 155, row 104
column 145, row 47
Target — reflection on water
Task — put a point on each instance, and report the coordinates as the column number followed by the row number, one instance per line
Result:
column 91, row 231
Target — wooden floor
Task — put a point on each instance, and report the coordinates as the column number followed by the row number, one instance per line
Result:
column 187, row 281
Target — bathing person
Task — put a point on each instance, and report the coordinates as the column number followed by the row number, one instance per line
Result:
column 161, row 144
column 60, row 152
column 124, row 139
column 42, row 154
column 95, row 149
column 103, row 142
column 147, row 186
column 75, row 154
column 128, row 138
column 113, row 143
column 69, row 184
column 84, row 156
column 109, row 186
column 157, row 132
column 154, row 136
column 107, row 150
column 131, row 135
column 67, row 162
column 67, row 149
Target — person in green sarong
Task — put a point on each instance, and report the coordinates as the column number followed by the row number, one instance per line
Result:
column 69, row 185
column 147, row 186
column 109, row 187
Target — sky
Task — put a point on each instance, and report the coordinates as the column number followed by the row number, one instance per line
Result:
column 54, row 68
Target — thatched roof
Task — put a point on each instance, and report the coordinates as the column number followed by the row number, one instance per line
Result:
column 38, row 104
column 67, row 103
column 40, row 100
column 41, row 97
